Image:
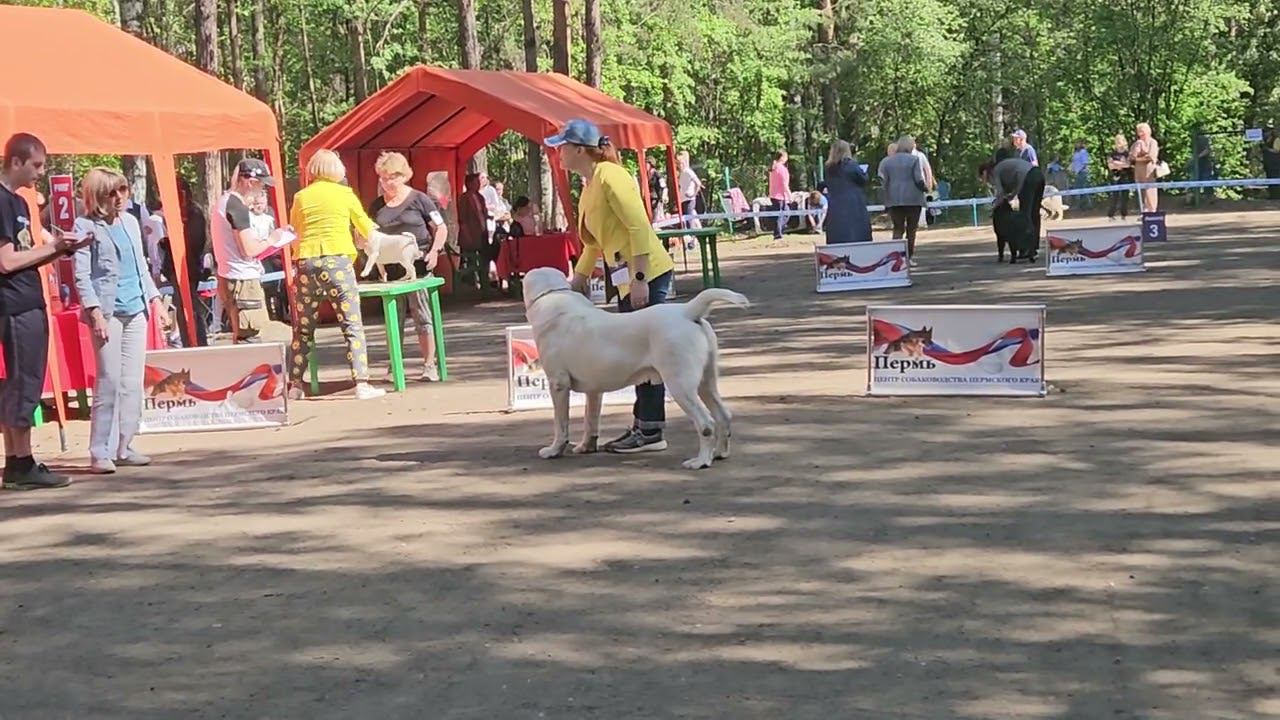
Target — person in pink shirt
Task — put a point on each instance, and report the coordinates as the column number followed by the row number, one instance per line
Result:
column 780, row 190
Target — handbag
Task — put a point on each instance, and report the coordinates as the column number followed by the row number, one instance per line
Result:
column 1162, row 169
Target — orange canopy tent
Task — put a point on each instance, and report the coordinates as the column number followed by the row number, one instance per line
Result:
column 89, row 87
column 440, row 118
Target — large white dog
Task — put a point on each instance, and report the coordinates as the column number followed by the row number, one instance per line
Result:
column 593, row 351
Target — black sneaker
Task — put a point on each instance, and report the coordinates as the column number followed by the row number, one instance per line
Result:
column 636, row 441
column 37, row 478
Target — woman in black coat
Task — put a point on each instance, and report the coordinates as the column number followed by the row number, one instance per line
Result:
column 847, row 217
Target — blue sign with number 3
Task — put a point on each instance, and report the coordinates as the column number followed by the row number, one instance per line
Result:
column 1153, row 227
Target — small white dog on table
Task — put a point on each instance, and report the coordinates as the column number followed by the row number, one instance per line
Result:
column 592, row 351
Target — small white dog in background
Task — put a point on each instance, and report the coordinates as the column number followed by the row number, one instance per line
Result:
column 1052, row 203
column 383, row 249
column 593, row 351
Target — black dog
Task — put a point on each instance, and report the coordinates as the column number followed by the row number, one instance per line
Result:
column 1013, row 230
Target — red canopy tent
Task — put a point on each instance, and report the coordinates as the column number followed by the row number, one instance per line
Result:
column 440, row 118
column 160, row 107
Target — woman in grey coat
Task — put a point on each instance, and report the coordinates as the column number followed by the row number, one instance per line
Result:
column 904, row 187
column 847, row 218
column 116, row 291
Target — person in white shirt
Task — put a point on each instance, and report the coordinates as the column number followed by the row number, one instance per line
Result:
column 690, row 186
column 236, row 245
column 1080, row 172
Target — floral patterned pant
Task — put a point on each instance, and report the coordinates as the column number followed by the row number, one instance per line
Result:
column 332, row 278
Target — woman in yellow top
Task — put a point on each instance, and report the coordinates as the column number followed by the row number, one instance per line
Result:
column 323, row 214
column 613, row 224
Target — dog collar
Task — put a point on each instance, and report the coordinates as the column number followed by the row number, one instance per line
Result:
column 545, row 293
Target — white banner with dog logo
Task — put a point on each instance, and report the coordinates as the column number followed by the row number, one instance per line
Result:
column 955, row 350
column 1094, row 251
column 527, row 381
column 230, row 387
column 862, row 266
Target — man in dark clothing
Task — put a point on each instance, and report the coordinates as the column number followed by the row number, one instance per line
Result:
column 1271, row 160
column 195, row 227
column 24, row 324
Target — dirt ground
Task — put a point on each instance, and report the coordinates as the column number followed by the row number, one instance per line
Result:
column 1109, row 551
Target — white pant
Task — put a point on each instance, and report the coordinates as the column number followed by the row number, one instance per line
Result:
column 117, row 393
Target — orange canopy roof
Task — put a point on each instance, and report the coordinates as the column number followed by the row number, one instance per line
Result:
column 90, row 87
column 464, row 110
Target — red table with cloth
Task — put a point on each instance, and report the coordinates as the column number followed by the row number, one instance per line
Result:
column 77, row 362
column 519, row 255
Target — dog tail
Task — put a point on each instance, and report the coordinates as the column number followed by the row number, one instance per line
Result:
column 700, row 306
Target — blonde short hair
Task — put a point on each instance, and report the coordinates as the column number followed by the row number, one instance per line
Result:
column 97, row 189
column 326, row 165
column 906, row 144
column 393, row 163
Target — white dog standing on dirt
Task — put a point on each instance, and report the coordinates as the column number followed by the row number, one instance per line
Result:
column 593, row 351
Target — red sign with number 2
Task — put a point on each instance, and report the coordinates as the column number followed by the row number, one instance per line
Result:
column 62, row 201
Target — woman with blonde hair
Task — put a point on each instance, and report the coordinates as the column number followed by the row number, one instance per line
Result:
column 116, row 291
column 402, row 210
column 324, row 255
column 847, row 217
column 1121, row 170
column 1145, row 155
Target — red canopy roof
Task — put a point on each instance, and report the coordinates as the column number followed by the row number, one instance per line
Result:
column 464, row 110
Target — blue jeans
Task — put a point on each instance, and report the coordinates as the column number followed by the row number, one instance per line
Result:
column 1081, row 180
column 650, row 410
column 780, row 206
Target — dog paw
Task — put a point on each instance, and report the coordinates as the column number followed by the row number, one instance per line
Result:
column 552, row 451
column 697, row 463
column 588, row 446
column 722, row 454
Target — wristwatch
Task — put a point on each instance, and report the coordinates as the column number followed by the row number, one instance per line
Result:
column 640, row 277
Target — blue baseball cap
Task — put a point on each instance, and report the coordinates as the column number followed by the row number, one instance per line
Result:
column 577, row 132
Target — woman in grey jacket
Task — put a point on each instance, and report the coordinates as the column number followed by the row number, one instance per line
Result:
column 904, row 186
column 116, row 291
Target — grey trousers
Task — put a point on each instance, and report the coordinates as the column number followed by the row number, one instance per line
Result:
column 117, row 392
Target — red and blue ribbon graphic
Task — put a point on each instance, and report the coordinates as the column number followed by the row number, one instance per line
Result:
column 1024, row 339
column 1132, row 245
column 897, row 258
column 266, row 374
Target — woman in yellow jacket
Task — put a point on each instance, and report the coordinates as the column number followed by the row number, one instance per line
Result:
column 613, row 225
column 323, row 214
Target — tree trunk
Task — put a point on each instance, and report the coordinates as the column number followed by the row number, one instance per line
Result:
column 469, row 53
column 533, row 153
column 277, row 60
column 359, row 66
column 233, row 41
column 210, row 175
column 591, row 31
column 826, row 44
column 261, row 89
column 560, row 36
column 135, row 166
column 424, row 29
column 307, row 67
column 468, row 44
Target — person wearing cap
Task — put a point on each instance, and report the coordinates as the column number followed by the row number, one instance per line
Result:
column 236, row 246
column 1023, row 148
column 614, row 224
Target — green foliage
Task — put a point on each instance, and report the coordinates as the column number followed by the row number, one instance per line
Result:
column 741, row 79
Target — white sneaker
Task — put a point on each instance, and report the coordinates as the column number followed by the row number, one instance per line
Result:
column 296, row 393
column 365, row 391
column 133, row 459
column 913, row 263
column 430, row 373
column 102, row 467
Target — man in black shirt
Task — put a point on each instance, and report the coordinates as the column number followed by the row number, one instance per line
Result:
column 24, row 326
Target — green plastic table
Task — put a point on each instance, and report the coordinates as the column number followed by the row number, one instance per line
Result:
column 389, row 292
column 706, row 246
